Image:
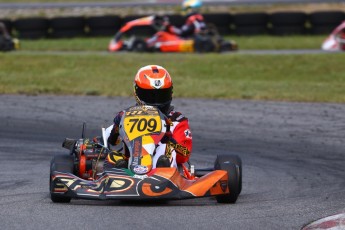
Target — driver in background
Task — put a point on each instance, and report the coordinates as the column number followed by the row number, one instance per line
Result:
column 341, row 38
column 7, row 43
column 194, row 23
column 153, row 86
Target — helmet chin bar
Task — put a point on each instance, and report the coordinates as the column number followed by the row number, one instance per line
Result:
column 164, row 107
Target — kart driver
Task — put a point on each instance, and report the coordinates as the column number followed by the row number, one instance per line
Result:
column 176, row 146
column 7, row 43
column 194, row 24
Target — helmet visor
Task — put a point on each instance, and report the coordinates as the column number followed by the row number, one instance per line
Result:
column 154, row 96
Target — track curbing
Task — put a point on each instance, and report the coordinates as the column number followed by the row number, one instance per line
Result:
column 335, row 222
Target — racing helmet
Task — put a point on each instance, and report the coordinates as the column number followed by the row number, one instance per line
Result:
column 191, row 5
column 153, row 86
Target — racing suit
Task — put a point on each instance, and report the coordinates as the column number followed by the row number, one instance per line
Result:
column 179, row 138
column 194, row 25
column 341, row 39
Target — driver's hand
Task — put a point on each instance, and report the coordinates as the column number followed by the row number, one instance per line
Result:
column 98, row 139
column 168, row 138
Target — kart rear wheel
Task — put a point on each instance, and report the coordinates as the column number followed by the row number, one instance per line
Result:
column 139, row 45
column 226, row 46
column 61, row 163
column 227, row 163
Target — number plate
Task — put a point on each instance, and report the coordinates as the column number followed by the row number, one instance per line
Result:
column 140, row 125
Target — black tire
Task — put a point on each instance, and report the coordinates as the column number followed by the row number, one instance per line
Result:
column 250, row 19
column 67, row 27
column 204, row 44
column 322, row 29
column 139, row 45
column 250, row 23
column 28, row 24
column 326, row 18
column 232, row 183
column 251, row 30
column 288, row 18
column 176, row 20
column 31, row 28
column 103, row 25
column 219, row 20
column 61, row 163
column 226, row 46
column 237, row 161
column 224, row 30
column 288, row 30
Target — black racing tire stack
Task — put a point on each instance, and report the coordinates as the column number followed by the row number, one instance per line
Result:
column 103, row 25
column 324, row 22
column 31, row 28
column 176, row 20
column 222, row 21
column 250, row 23
column 67, row 27
column 288, row 23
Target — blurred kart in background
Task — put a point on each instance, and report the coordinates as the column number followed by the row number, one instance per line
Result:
column 336, row 40
column 162, row 41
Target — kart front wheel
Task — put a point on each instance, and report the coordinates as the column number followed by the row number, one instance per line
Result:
column 238, row 162
column 226, row 163
column 60, row 163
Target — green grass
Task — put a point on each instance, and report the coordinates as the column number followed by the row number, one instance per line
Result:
column 313, row 77
column 245, row 42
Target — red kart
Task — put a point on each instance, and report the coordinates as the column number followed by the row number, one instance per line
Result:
column 336, row 40
column 162, row 41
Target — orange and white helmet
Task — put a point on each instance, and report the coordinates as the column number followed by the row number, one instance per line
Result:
column 153, row 86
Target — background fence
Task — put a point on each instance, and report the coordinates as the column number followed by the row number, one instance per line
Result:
column 278, row 23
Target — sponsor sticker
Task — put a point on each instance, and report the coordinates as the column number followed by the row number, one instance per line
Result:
column 223, row 185
column 140, row 169
column 140, row 176
column 188, row 133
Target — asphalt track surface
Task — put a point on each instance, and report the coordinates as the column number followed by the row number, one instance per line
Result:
column 293, row 164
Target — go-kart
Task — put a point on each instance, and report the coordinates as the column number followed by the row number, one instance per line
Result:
column 336, row 40
column 163, row 41
column 82, row 174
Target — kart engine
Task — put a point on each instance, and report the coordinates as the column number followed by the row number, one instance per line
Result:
column 90, row 158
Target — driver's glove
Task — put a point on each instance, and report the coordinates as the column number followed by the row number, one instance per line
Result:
column 117, row 159
column 168, row 138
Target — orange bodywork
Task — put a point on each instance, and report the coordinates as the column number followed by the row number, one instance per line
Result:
column 161, row 183
column 145, row 21
column 167, row 42
column 148, row 191
column 198, row 187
